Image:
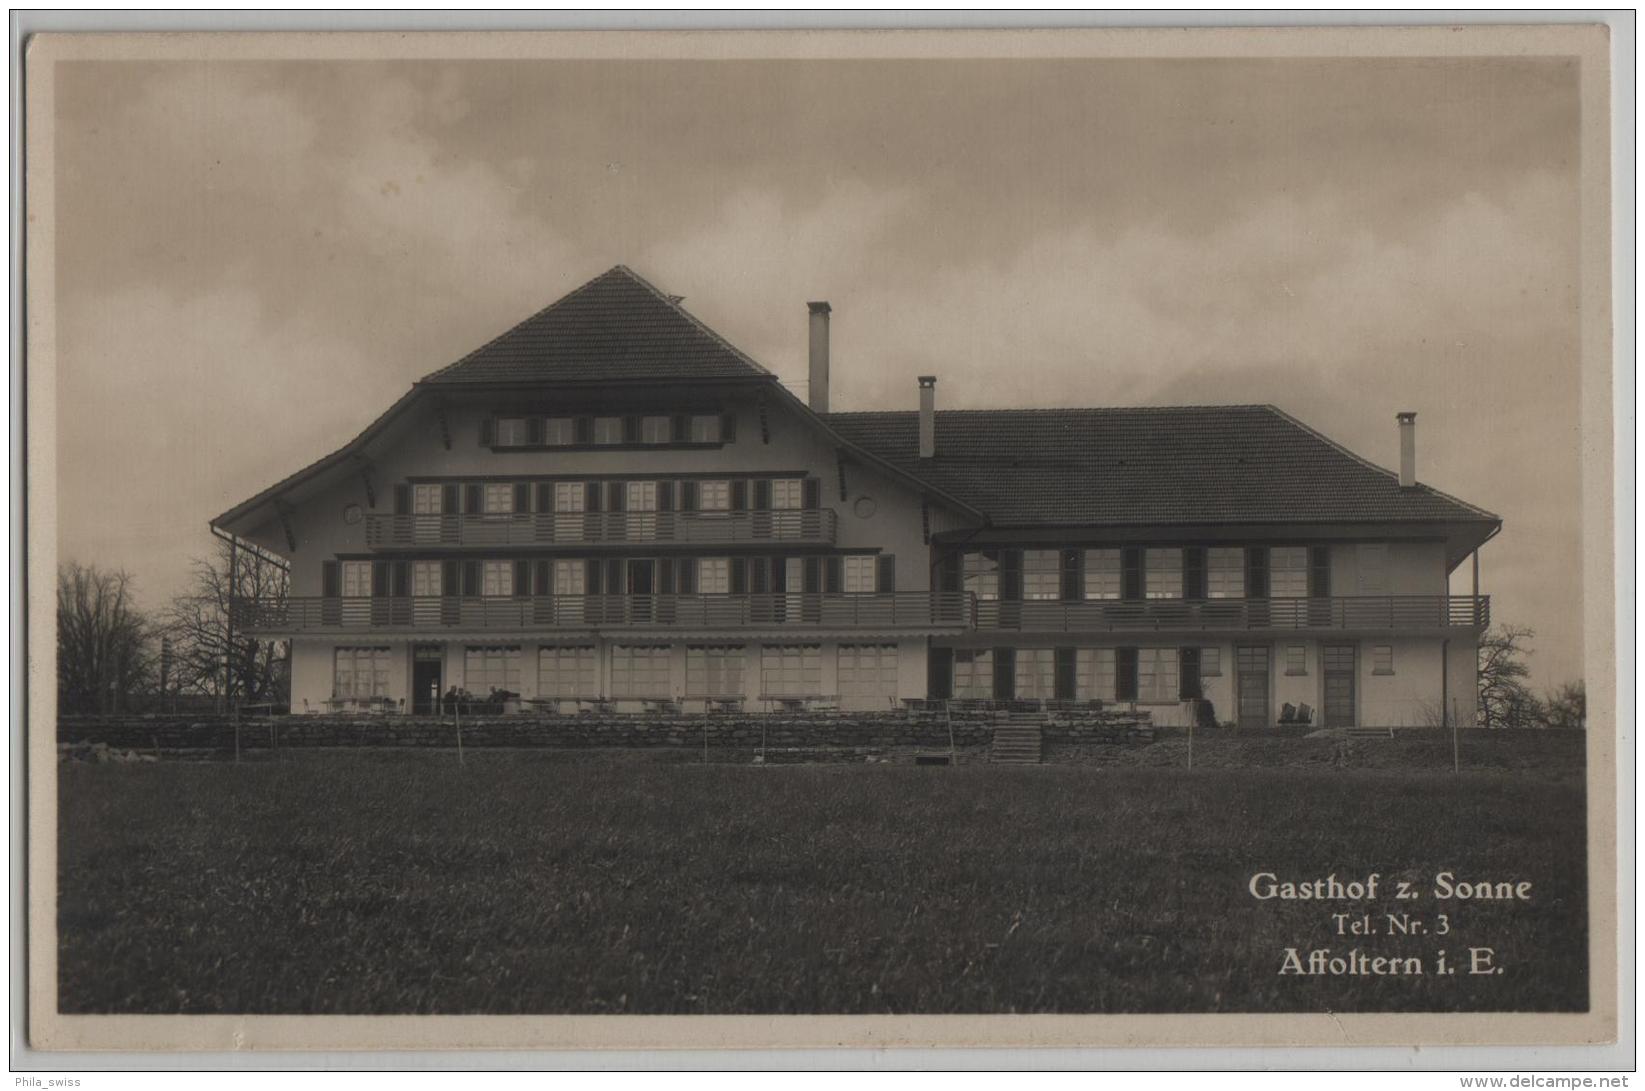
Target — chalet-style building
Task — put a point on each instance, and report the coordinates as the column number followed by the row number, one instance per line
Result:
column 611, row 503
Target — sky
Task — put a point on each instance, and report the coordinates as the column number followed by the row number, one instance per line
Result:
column 255, row 258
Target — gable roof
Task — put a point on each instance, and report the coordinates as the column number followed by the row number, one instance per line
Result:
column 616, row 328
column 1175, row 465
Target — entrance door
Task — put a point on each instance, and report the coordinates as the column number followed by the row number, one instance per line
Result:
column 1251, row 680
column 425, row 681
column 1339, row 663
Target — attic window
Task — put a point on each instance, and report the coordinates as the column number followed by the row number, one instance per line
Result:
column 608, row 430
column 560, row 431
column 511, row 432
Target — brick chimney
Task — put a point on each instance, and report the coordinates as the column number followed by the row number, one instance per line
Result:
column 1407, row 449
column 818, row 389
column 928, row 416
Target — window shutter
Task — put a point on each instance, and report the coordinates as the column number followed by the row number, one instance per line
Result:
column 1065, row 678
column 543, row 585
column 402, row 578
column 885, row 573
column 591, row 577
column 1005, row 674
column 681, row 428
column 631, row 429
column 739, row 495
column 813, row 575
column 939, row 674
column 728, row 428
column 585, row 431
column 616, row 495
column 545, row 496
column 1193, row 572
column 688, row 496
column 379, row 579
column 665, row 576
column 1125, row 674
column 665, row 496
column 473, row 583
column 739, row 576
column 522, row 579
column 534, row 431
column 1188, row 686
column 473, row 498
column 762, row 495
column 1011, row 575
column 1131, row 572
column 812, row 492
column 688, row 575
column 759, row 574
column 451, row 579
column 448, row 500
column 1071, row 574
column 591, row 496
column 402, row 499
column 614, row 582
column 1319, row 572
column 1256, row 572
column 331, row 579
column 779, row 574
column 488, row 430
column 835, row 579
column 948, row 573
column 522, row 496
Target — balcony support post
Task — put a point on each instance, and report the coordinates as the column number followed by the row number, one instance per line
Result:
column 284, row 511
column 1476, row 574
column 839, row 457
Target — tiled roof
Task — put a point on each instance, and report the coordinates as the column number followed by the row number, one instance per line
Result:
column 615, row 328
column 1196, row 464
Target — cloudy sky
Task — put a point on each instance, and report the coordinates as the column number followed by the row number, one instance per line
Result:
column 254, row 259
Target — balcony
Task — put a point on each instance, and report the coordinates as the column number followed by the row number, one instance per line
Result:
column 1376, row 613
column 578, row 529
column 903, row 610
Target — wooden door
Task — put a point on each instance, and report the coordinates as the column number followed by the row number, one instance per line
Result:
column 1251, row 684
column 1339, row 664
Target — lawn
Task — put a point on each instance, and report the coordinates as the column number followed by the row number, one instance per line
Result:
column 546, row 882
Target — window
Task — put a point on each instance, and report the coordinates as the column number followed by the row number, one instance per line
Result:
column 641, row 496
column 868, row 674
column 498, row 579
column 1036, row 673
column 713, row 575
column 608, row 430
column 1157, row 679
column 656, row 429
column 1296, row 659
column 1288, row 572
column 426, row 578
column 499, row 499
column 714, row 670
column 974, row 673
column 714, row 496
column 356, row 579
column 566, row 672
column 787, row 494
column 1210, row 662
column 641, row 670
column 491, row 668
column 858, row 575
column 360, row 672
column 1041, row 575
column 569, row 496
column 982, row 576
column 1102, row 574
column 1163, row 573
column 511, row 432
column 570, row 577
column 1094, row 674
column 1224, row 573
column 1382, row 659
column 1373, row 568
column 560, row 431
column 427, row 499
column 791, row 670
column 705, row 428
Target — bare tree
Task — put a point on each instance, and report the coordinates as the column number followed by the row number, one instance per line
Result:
column 1567, row 706
column 1504, row 698
column 210, row 656
column 104, row 643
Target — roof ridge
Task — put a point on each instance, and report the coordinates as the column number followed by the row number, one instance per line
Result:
column 672, row 302
column 532, row 317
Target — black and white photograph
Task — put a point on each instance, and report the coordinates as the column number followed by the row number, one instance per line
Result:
column 1032, row 524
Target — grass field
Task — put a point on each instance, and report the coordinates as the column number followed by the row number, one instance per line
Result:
column 544, row 882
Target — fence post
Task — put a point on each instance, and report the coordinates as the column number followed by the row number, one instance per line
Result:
column 236, row 721
column 457, row 718
column 1456, row 758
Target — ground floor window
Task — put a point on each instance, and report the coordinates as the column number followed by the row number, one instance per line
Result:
column 1036, row 673
column 641, row 670
column 491, row 667
column 1210, row 662
column 1382, row 659
column 714, row 670
column 974, row 674
column 360, row 672
column 1094, row 674
column 868, row 672
column 791, row 670
column 566, row 671
column 1157, row 678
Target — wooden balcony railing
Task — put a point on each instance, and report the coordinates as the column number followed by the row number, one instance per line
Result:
column 540, row 528
column 1369, row 612
column 915, row 610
